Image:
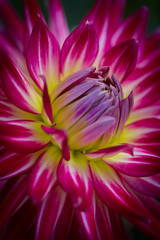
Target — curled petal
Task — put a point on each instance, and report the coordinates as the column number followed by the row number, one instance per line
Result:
column 142, row 163
column 92, row 132
column 57, row 21
column 43, row 56
column 74, row 177
column 59, row 198
column 17, row 88
column 61, row 138
column 43, row 175
column 72, row 81
column 122, row 59
column 79, row 49
column 113, row 193
column 23, row 136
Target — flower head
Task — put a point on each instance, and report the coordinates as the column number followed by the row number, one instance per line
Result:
column 79, row 124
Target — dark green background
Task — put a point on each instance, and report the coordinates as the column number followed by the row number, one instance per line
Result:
column 75, row 11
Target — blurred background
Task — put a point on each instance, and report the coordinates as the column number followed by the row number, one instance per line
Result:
column 75, row 11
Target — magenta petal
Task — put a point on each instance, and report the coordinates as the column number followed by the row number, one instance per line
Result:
column 47, row 107
column 12, row 164
column 133, row 27
column 31, row 13
column 110, row 151
column 23, row 136
column 43, row 175
column 17, row 88
column 15, row 198
column 57, row 21
column 148, row 186
column 109, row 223
column 87, row 222
column 141, row 164
column 79, row 49
column 43, row 56
column 113, row 193
column 74, row 177
column 122, row 59
column 54, row 204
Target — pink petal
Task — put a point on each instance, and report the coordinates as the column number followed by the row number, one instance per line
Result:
column 31, row 13
column 122, row 59
column 86, row 220
column 55, row 203
column 110, row 151
column 141, row 164
column 109, row 223
column 13, row 23
column 43, row 175
column 17, row 88
column 47, row 107
column 57, row 21
column 12, row 164
column 148, row 186
column 133, row 27
column 74, row 177
column 60, row 137
column 43, row 56
column 113, row 193
column 14, row 199
column 23, row 136
column 79, row 49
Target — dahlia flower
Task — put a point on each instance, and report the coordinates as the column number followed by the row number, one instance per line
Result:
column 79, row 124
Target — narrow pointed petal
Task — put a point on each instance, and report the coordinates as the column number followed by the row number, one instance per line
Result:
column 148, row 186
column 43, row 175
column 141, row 164
column 133, row 27
column 60, row 137
column 43, row 56
column 113, row 193
column 23, row 136
column 14, row 199
column 93, row 132
column 57, row 21
column 13, row 164
column 79, row 49
column 87, row 222
column 13, row 23
column 74, row 177
column 54, row 204
column 110, row 151
column 47, row 107
column 122, row 59
column 17, row 88
column 31, row 13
